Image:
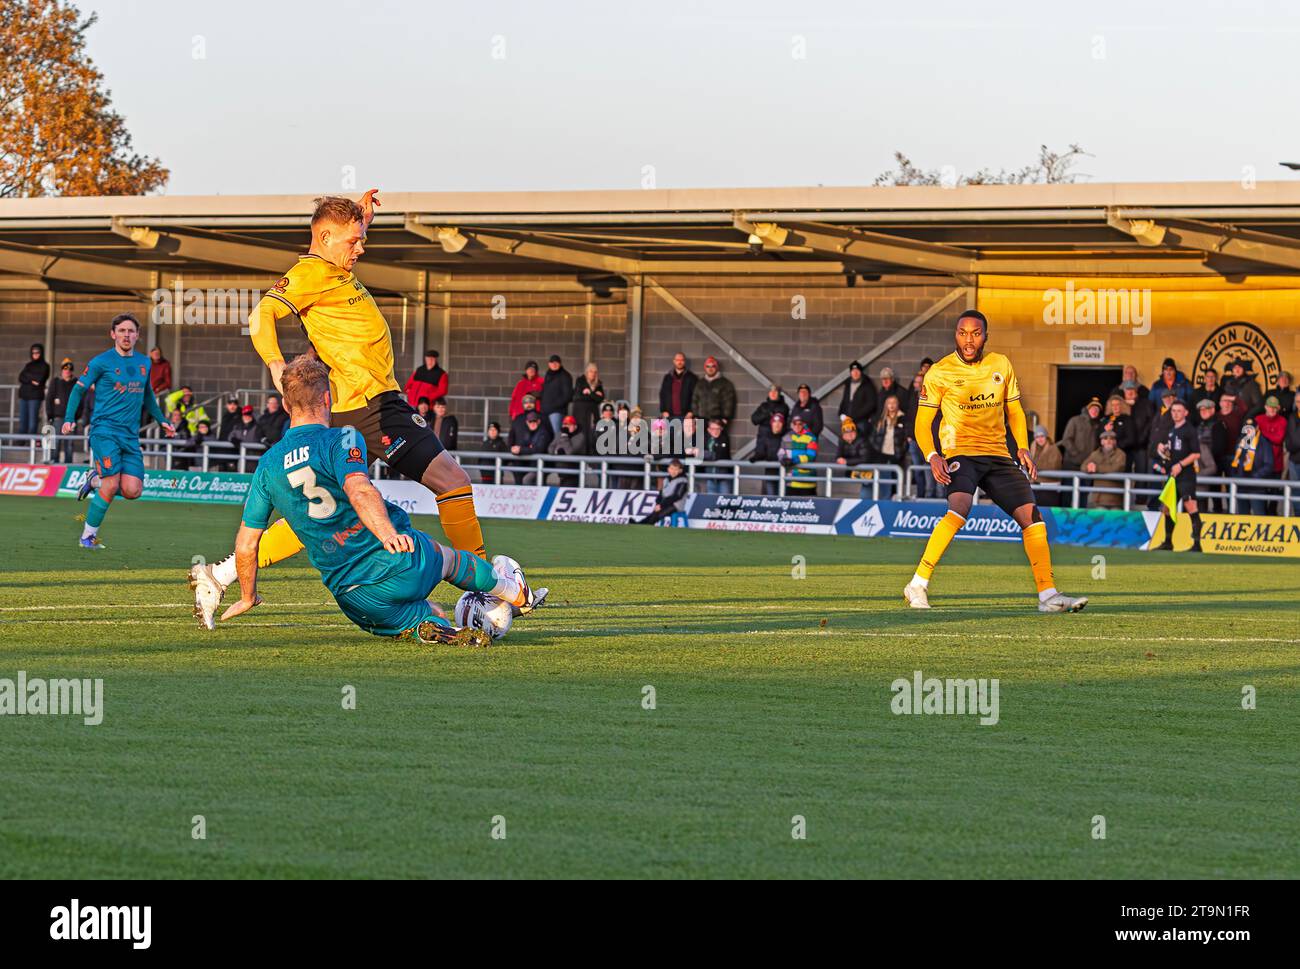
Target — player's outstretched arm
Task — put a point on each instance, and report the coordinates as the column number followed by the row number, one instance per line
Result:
column 261, row 328
column 246, row 566
column 923, row 434
column 1020, row 432
column 83, row 384
column 368, row 503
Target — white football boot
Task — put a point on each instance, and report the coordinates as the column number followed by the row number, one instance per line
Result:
column 916, row 596
column 1063, row 603
column 533, row 598
column 207, row 595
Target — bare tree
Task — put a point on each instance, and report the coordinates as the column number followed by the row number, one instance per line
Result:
column 1052, row 168
column 59, row 134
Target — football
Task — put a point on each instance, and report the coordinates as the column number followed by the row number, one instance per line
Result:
column 479, row 610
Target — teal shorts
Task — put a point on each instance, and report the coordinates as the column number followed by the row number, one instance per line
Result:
column 116, row 452
column 399, row 602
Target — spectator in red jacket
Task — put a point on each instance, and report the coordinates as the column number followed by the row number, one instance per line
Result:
column 530, row 384
column 429, row 380
column 160, row 371
column 1272, row 426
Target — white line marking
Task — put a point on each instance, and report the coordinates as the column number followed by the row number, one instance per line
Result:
column 133, row 605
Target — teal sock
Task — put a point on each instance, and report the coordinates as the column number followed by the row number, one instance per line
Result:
column 98, row 509
column 471, row 573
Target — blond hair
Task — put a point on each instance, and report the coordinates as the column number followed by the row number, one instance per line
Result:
column 305, row 382
column 336, row 210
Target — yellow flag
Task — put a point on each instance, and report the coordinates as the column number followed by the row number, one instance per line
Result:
column 1169, row 498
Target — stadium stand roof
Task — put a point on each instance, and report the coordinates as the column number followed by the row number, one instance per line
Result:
column 424, row 242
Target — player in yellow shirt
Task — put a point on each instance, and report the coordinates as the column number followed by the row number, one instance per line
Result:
column 977, row 396
column 350, row 336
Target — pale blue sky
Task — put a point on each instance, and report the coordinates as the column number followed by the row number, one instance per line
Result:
column 708, row 93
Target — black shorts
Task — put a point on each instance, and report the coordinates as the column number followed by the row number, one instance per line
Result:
column 393, row 431
column 999, row 478
column 1185, row 485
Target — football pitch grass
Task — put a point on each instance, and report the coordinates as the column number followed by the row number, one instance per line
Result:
column 772, row 700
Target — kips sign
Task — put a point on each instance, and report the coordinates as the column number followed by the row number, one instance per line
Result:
column 33, row 480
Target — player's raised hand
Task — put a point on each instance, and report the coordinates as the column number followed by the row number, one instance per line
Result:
column 240, row 607
column 369, row 202
column 939, row 468
column 400, row 543
column 1027, row 463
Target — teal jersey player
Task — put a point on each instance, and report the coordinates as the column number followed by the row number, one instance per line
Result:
column 377, row 565
column 123, row 395
column 302, row 475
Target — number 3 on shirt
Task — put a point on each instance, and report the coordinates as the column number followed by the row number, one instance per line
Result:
column 320, row 503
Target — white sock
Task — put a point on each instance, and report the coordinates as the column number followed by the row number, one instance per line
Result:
column 224, row 571
column 90, row 531
column 919, row 582
column 508, row 588
column 1047, row 594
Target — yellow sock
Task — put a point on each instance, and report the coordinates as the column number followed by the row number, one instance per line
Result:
column 278, row 543
column 460, row 521
column 1040, row 555
column 948, row 526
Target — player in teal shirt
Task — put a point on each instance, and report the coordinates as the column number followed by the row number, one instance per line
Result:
column 378, row 567
column 120, row 377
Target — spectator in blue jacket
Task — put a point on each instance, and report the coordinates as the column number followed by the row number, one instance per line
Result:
column 1171, row 376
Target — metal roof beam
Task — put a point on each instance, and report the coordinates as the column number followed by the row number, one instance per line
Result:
column 211, row 247
column 872, row 247
column 55, row 264
column 1211, row 238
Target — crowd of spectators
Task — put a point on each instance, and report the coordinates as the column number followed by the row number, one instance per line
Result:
column 1244, row 430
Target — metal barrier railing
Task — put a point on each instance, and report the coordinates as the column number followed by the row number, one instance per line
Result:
column 1135, row 490
column 876, row 481
column 160, row 454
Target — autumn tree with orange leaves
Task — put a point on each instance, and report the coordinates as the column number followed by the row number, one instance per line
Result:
column 59, row 134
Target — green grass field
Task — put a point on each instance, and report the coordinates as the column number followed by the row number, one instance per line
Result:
column 1131, row 710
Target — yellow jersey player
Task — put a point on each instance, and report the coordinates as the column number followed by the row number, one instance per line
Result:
column 977, row 396
column 349, row 334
